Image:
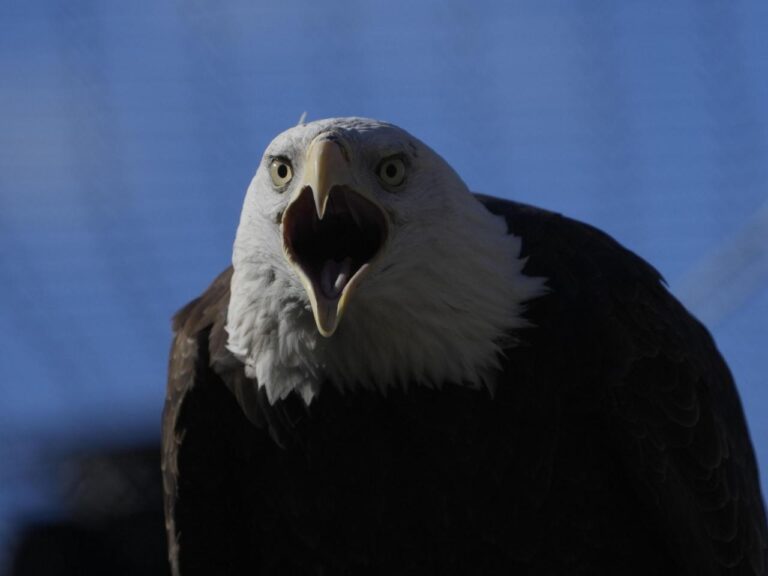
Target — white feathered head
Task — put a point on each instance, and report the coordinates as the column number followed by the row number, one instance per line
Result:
column 362, row 258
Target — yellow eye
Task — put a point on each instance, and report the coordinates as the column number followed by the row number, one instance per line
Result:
column 281, row 172
column 391, row 171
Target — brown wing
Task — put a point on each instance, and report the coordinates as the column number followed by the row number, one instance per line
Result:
column 671, row 405
column 686, row 437
column 183, row 372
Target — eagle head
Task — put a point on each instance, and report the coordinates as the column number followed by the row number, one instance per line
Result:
column 355, row 219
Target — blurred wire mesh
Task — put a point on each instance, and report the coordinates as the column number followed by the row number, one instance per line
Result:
column 130, row 132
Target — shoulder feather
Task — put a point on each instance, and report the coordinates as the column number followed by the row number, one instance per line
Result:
column 677, row 419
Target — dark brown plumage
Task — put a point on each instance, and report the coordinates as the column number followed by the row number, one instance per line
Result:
column 615, row 443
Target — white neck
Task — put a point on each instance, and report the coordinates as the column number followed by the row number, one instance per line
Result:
column 439, row 308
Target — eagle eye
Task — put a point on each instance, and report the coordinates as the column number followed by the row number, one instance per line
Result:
column 391, row 171
column 281, row 172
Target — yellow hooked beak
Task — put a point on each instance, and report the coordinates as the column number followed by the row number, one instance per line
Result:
column 326, row 167
column 332, row 230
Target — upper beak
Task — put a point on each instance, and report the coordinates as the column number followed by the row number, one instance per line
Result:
column 326, row 167
column 332, row 231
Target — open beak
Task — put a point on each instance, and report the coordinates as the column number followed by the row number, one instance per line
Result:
column 332, row 231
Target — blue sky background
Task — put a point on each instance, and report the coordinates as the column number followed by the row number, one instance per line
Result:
column 130, row 130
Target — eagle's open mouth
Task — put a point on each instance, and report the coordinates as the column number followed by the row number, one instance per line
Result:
column 333, row 250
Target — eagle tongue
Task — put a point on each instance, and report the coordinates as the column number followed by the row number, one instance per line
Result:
column 334, row 276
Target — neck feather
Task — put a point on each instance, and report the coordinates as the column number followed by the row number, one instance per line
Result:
column 440, row 309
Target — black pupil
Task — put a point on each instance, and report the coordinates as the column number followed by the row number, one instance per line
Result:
column 390, row 170
column 282, row 170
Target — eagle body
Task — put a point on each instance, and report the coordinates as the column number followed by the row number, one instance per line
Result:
column 597, row 432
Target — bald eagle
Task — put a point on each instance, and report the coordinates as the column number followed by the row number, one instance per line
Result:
column 397, row 376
